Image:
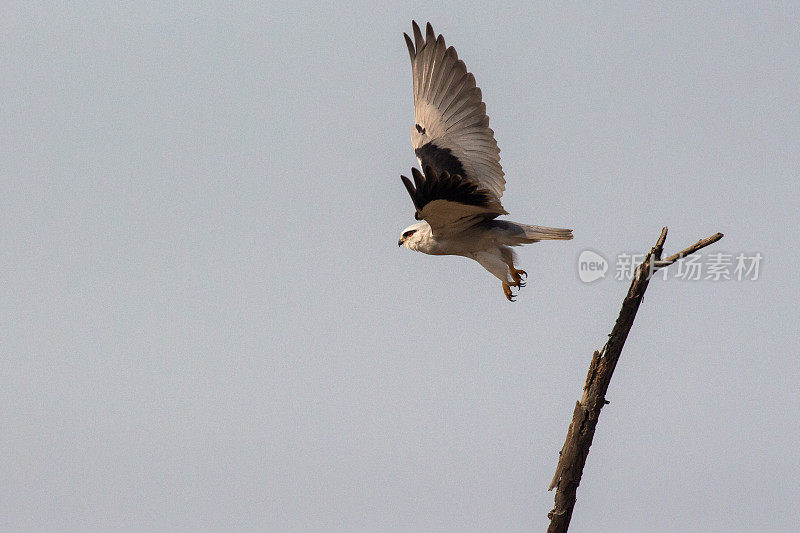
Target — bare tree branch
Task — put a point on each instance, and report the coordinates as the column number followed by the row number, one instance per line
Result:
column 584, row 418
column 702, row 243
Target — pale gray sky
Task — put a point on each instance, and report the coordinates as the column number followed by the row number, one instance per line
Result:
column 206, row 323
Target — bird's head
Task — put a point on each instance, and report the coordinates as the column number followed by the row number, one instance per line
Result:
column 411, row 235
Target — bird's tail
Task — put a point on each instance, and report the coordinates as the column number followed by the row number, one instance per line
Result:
column 543, row 233
column 514, row 233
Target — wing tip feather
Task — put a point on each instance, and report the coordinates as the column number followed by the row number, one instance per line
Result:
column 412, row 52
column 418, row 41
column 419, row 179
column 412, row 192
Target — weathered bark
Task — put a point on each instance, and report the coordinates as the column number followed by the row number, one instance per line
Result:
column 584, row 418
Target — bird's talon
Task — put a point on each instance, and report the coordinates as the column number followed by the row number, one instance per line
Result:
column 507, row 292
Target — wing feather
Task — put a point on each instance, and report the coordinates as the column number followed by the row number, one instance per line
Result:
column 450, row 203
column 410, row 44
column 450, row 113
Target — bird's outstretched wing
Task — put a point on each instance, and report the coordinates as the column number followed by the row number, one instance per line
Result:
column 450, row 203
column 451, row 131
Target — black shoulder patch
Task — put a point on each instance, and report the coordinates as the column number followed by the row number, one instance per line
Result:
column 439, row 159
column 445, row 186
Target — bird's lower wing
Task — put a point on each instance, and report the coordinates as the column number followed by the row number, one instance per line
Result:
column 450, row 204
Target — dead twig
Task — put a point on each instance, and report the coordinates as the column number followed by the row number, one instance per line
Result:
column 584, row 418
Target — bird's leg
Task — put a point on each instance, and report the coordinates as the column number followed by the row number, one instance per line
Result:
column 507, row 291
column 516, row 283
column 517, row 275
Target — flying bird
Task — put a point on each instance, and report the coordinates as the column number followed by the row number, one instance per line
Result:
column 458, row 196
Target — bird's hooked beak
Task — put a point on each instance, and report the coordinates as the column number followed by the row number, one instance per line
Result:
column 401, row 241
